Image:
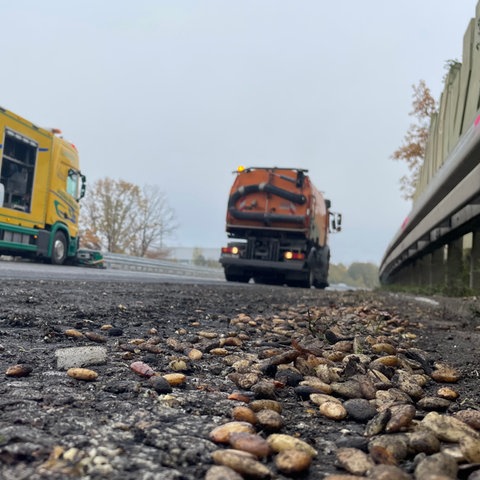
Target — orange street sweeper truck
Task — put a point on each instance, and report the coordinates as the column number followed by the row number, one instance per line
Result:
column 279, row 224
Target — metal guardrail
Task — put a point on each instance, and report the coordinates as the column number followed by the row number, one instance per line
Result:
column 447, row 197
column 125, row 262
column 447, row 208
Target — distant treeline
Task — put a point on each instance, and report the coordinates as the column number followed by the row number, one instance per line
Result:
column 361, row 275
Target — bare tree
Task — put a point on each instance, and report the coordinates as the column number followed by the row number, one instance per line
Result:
column 109, row 215
column 156, row 223
column 119, row 217
column 414, row 144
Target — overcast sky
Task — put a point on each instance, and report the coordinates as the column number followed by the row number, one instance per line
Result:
column 178, row 93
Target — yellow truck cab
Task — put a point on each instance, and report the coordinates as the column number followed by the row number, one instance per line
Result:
column 40, row 187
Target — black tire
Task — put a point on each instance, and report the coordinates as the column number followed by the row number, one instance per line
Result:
column 320, row 285
column 321, row 274
column 305, row 282
column 59, row 249
column 309, row 279
column 236, row 277
column 269, row 280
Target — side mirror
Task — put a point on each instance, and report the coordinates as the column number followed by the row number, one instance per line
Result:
column 328, row 204
column 2, row 194
column 83, row 186
column 336, row 222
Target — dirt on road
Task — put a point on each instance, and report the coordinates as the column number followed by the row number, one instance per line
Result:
column 132, row 381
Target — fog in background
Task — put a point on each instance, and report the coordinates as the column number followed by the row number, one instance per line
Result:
column 179, row 93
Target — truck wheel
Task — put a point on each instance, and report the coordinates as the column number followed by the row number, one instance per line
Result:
column 236, row 277
column 309, row 280
column 266, row 280
column 320, row 285
column 59, row 249
column 305, row 282
column 322, row 280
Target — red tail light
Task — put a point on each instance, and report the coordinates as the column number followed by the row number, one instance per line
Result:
column 293, row 256
column 230, row 250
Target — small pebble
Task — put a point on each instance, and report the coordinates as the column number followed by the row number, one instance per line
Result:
column 258, row 405
column 270, row 420
column 384, row 348
column 423, row 440
column 244, row 397
column 336, row 476
column 20, row 370
column 82, row 374
column 264, row 390
column 470, row 448
column 401, row 417
column 395, row 444
column 354, row 461
column 175, row 379
column 470, row 417
column 292, row 462
column 333, row 410
column 220, row 472
column 95, row 337
column 114, row 332
column 280, row 442
column 178, row 365
column 221, row 434
column 360, row 409
column 319, row 398
column 142, row 369
column 447, row 393
column 445, row 373
column 244, row 414
column 241, row 462
column 74, row 333
column 387, row 472
column 195, row 354
column 437, row 464
column 250, row 442
column 433, row 403
column 446, row 427
column 347, row 389
column 209, row 335
column 159, row 384
column 220, row 352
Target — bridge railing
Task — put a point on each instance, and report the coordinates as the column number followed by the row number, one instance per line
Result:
column 439, row 243
column 126, row 262
column 446, row 211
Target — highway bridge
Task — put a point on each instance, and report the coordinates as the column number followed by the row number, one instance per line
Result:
column 438, row 244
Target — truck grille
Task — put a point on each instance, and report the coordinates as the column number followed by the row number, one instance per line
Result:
column 14, row 237
column 263, row 249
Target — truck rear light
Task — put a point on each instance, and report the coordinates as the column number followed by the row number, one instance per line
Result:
column 230, row 250
column 293, row 256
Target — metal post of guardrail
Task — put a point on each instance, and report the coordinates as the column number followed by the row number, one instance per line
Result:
column 475, row 261
column 423, row 271
column 455, row 265
column 437, row 272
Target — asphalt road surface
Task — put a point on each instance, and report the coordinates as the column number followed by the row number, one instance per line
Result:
column 175, row 358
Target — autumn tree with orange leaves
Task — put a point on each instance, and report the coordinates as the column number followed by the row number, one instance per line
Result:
column 412, row 151
column 120, row 217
